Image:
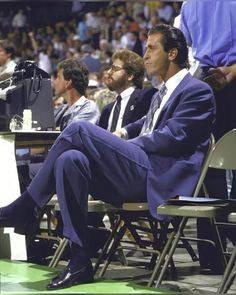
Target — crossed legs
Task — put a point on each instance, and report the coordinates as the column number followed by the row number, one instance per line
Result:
column 87, row 159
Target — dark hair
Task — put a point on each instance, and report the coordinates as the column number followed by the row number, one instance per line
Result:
column 173, row 38
column 8, row 47
column 77, row 72
column 133, row 65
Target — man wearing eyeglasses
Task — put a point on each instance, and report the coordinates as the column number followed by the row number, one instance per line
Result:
column 125, row 77
column 161, row 159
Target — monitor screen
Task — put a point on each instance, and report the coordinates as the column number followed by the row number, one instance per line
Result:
column 33, row 93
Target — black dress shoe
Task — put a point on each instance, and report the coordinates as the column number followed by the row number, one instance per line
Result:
column 23, row 214
column 69, row 278
column 24, row 226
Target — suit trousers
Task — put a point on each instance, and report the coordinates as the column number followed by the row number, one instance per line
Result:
column 86, row 159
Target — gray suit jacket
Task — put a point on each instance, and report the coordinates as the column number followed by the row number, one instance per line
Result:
column 83, row 109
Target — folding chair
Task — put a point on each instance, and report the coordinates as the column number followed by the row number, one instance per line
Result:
column 219, row 156
column 131, row 212
column 127, row 218
column 93, row 206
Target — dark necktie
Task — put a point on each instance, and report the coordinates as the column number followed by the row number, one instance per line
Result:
column 156, row 101
column 116, row 114
column 64, row 121
column 59, row 115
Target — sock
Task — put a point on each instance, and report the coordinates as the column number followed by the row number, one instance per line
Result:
column 79, row 257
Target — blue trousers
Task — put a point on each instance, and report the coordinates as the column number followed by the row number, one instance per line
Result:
column 86, row 159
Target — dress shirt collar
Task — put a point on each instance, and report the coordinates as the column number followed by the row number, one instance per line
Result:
column 174, row 81
column 171, row 85
column 126, row 93
column 125, row 96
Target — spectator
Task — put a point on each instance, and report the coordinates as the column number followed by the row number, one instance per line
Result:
column 165, row 12
column 137, row 44
column 72, row 81
column 19, row 20
column 41, row 54
column 7, row 64
column 93, row 63
column 83, row 30
column 125, row 77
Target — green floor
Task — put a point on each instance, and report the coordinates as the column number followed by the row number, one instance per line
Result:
column 26, row 278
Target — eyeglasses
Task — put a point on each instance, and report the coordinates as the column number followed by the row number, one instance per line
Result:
column 114, row 68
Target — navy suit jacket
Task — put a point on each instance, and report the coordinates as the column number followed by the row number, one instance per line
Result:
column 177, row 146
column 136, row 108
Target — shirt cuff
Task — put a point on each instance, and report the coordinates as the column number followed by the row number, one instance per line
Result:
column 124, row 133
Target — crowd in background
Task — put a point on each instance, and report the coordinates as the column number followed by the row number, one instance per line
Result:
column 92, row 31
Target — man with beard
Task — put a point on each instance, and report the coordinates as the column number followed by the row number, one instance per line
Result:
column 125, row 77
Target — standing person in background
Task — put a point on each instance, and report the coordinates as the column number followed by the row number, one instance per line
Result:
column 213, row 44
column 93, row 63
column 7, row 64
column 41, row 53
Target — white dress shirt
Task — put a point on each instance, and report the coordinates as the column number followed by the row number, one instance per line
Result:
column 171, row 84
column 125, row 96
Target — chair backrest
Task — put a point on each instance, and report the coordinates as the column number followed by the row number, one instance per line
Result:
column 205, row 166
column 223, row 155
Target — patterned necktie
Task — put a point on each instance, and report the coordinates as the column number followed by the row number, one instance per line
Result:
column 116, row 114
column 156, row 102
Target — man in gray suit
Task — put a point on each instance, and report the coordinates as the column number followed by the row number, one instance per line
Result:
column 72, row 81
column 161, row 159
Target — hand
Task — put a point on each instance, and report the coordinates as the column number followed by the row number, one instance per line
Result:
column 119, row 133
column 219, row 77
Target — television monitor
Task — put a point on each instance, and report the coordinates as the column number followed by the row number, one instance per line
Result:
column 30, row 93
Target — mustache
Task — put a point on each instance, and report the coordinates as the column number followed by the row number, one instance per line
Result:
column 108, row 78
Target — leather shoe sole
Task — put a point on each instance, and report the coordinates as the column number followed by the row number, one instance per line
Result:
column 68, row 278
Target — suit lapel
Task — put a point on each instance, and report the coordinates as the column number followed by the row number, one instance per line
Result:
column 173, row 96
column 130, row 107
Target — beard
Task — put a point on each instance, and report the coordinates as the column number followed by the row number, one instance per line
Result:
column 116, row 84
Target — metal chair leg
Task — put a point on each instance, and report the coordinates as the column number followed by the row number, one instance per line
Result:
column 218, row 244
column 189, row 249
column 58, row 253
column 167, row 253
column 112, row 249
column 171, row 252
column 225, row 284
column 106, row 246
column 161, row 259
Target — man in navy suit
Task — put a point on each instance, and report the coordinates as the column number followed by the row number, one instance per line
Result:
column 135, row 101
column 161, row 159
